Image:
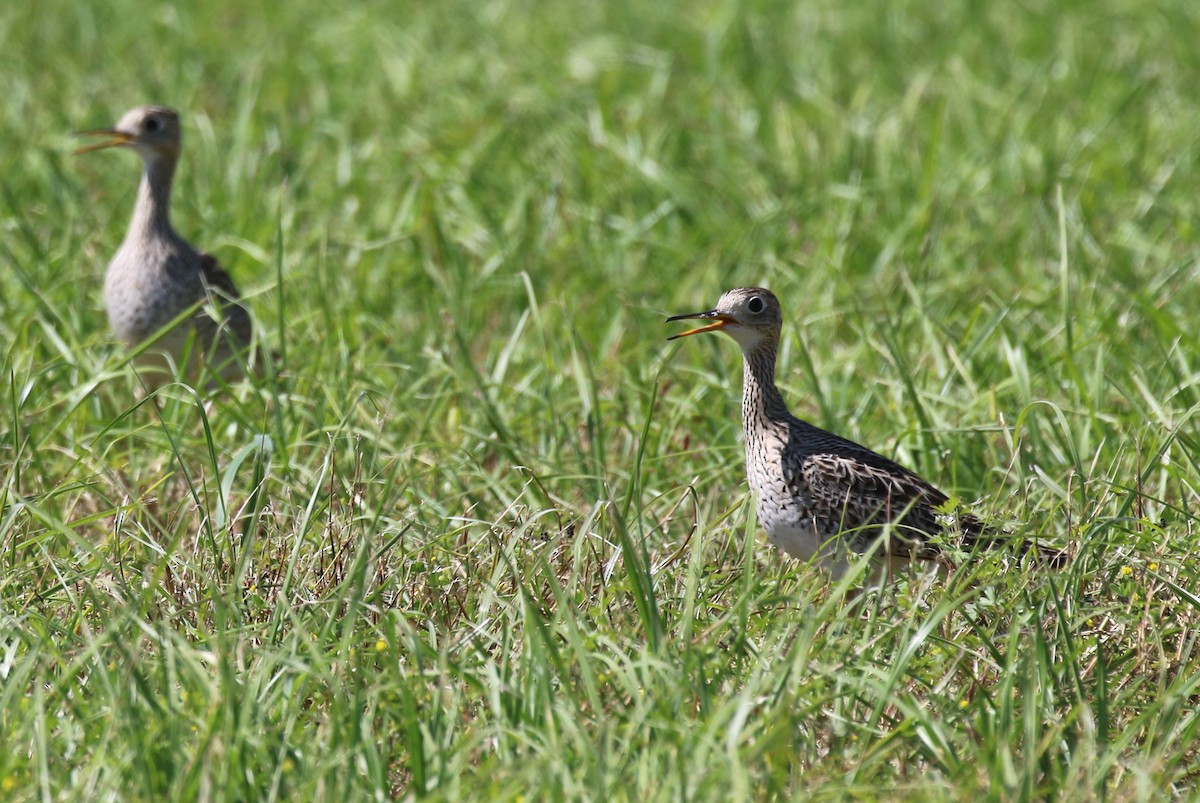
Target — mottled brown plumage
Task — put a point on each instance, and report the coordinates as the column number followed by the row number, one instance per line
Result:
column 818, row 494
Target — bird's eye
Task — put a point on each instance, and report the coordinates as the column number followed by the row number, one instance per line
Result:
column 151, row 125
column 755, row 305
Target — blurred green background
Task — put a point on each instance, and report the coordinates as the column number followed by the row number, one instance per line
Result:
column 485, row 534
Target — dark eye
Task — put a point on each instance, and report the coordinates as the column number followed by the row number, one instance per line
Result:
column 755, row 305
column 151, row 125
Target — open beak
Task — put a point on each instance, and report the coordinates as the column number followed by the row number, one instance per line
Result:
column 719, row 321
column 115, row 138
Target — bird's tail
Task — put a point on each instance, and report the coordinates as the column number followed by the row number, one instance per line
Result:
column 978, row 534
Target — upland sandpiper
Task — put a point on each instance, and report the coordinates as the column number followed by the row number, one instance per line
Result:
column 156, row 276
column 820, row 495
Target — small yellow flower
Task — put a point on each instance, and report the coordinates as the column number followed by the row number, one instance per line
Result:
column 964, row 702
column 1126, row 571
column 1153, row 566
column 288, row 766
column 380, row 645
column 8, row 784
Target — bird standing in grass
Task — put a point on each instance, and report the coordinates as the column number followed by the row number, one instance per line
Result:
column 157, row 276
column 819, row 495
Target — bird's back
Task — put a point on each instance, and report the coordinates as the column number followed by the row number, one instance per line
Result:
column 855, row 491
column 814, row 487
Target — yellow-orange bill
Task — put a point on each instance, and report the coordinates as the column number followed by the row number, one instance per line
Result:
column 115, row 138
column 719, row 322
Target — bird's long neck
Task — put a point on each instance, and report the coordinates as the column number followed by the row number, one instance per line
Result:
column 761, row 401
column 152, row 211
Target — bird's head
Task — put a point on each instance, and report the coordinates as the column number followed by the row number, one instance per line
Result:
column 750, row 315
column 152, row 131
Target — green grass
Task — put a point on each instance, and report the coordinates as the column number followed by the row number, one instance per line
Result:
column 486, row 536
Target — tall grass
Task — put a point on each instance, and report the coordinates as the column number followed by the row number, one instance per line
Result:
column 484, row 534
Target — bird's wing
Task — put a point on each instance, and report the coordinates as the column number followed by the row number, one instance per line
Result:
column 218, row 279
column 864, row 491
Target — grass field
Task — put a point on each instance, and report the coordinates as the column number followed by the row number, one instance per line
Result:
column 486, row 534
